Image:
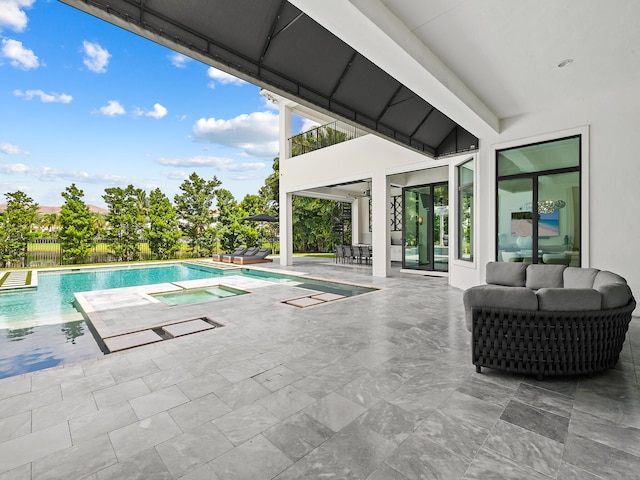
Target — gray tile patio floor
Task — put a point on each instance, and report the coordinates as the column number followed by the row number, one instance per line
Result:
column 375, row 387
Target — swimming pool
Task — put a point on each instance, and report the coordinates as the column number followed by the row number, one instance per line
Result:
column 41, row 328
column 53, row 301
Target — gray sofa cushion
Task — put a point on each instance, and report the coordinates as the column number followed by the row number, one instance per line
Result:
column 568, row 299
column 498, row 296
column 508, row 274
column 575, row 277
column 545, row 276
column 613, row 288
column 614, row 295
column 605, row 277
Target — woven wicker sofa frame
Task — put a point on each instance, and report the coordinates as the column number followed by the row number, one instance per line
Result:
column 545, row 343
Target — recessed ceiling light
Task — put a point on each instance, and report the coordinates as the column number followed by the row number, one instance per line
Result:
column 566, row 62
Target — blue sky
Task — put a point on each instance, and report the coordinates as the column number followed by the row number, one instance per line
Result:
column 83, row 101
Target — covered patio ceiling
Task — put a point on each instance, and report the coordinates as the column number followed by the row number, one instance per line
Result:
column 275, row 45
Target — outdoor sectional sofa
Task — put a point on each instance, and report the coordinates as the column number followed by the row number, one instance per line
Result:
column 546, row 320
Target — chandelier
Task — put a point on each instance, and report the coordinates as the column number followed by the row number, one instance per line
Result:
column 548, row 206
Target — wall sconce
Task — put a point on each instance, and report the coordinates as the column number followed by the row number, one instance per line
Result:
column 420, row 220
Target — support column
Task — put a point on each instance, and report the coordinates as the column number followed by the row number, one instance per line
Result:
column 355, row 221
column 286, row 228
column 380, row 221
column 286, row 199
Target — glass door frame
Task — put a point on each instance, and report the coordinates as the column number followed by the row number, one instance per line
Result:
column 533, row 176
column 431, row 219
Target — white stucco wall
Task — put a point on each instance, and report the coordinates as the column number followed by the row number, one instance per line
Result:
column 356, row 159
column 610, row 125
column 613, row 210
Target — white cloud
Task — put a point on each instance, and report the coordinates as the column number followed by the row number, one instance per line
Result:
column 112, row 109
column 255, row 133
column 222, row 164
column 18, row 55
column 10, row 149
column 179, row 60
column 48, row 174
column 308, row 124
column 12, row 14
column 13, row 168
column 158, row 111
column 95, row 58
column 176, row 175
column 44, row 97
column 223, row 78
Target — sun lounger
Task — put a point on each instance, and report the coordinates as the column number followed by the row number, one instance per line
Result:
column 259, row 257
column 231, row 257
column 217, row 257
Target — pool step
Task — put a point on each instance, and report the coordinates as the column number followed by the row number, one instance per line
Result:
column 16, row 279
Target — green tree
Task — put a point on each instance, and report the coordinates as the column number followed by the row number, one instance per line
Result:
column 270, row 191
column 194, row 208
column 51, row 222
column 229, row 228
column 163, row 230
column 16, row 225
column 125, row 221
column 312, row 224
column 99, row 223
column 76, row 226
column 262, row 231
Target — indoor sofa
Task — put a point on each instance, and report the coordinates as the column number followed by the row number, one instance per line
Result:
column 547, row 319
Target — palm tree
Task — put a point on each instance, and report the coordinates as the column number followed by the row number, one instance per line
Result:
column 51, row 222
column 99, row 223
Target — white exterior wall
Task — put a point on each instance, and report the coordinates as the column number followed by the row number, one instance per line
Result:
column 367, row 157
column 610, row 124
column 611, row 207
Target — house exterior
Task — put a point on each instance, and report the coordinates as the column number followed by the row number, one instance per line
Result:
column 546, row 95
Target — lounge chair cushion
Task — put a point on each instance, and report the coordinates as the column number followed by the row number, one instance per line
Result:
column 568, row 299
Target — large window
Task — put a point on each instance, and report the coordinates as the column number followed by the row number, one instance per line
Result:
column 538, row 203
column 465, row 211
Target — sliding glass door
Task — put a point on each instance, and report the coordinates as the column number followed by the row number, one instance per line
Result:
column 426, row 227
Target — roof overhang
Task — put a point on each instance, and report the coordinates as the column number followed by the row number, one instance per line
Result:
column 275, row 45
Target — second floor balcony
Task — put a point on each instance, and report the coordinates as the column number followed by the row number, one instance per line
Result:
column 323, row 136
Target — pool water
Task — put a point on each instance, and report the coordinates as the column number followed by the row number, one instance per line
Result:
column 53, row 301
column 197, row 295
column 29, row 349
column 41, row 328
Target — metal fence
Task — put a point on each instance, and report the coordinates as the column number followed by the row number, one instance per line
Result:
column 44, row 252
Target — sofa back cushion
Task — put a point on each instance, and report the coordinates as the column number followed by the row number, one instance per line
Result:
column 545, row 276
column 498, row 296
column 575, row 277
column 508, row 274
column 568, row 299
column 613, row 288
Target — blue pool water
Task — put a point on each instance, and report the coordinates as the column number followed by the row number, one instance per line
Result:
column 40, row 328
column 53, row 300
